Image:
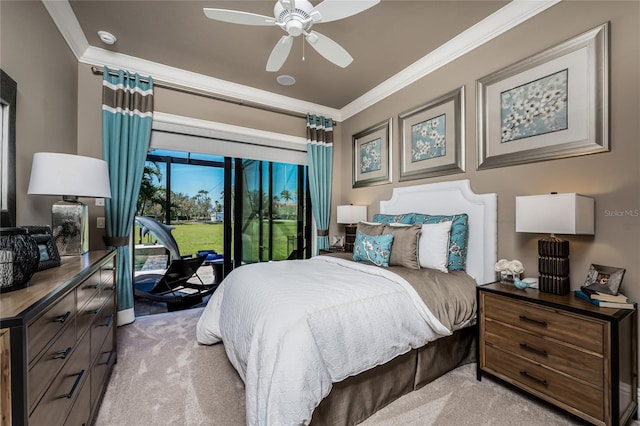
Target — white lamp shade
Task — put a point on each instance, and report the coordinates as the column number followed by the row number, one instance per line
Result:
column 69, row 175
column 351, row 214
column 555, row 214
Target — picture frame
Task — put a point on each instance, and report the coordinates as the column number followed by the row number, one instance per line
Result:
column 604, row 279
column 432, row 137
column 552, row 105
column 49, row 255
column 372, row 155
column 8, row 95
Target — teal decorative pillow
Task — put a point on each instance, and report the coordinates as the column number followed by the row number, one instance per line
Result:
column 373, row 249
column 457, row 240
column 407, row 219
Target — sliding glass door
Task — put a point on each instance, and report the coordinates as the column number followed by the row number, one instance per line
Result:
column 272, row 210
column 249, row 210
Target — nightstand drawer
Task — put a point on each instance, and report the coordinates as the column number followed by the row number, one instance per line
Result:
column 570, row 360
column 576, row 330
column 546, row 383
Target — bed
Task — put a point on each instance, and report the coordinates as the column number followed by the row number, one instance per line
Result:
column 330, row 341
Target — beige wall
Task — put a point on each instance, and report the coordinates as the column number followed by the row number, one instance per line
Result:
column 612, row 178
column 36, row 56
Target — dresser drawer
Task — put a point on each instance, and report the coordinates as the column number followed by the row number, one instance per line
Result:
column 547, row 383
column 88, row 313
column 87, row 290
column 79, row 415
column 54, row 405
column 101, row 328
column 105, row 358
column 48, row 325
column 50, row 363
column 567, row 359
column 574, row 329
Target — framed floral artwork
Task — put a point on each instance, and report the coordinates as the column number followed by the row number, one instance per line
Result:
column 551, row 105
column 372, row 155
column 432, row 138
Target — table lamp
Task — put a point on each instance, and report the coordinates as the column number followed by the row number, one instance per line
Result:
column 70, row 176
column 568, row 214
column 350, row 215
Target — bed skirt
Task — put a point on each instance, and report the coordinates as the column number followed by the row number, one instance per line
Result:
column 354, row 399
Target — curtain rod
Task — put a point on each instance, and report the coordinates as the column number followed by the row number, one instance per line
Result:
column 192, row 91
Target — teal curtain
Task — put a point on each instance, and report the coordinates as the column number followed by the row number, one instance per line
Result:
column 127, row 114
column 320, row 159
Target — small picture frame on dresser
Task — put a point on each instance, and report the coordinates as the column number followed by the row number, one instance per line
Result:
column 49, row 255
column 604, row 279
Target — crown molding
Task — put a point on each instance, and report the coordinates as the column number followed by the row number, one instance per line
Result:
column 504, row 19
column 68, row 25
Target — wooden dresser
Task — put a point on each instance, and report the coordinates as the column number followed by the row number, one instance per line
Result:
column 564, row 350
column 62, row 343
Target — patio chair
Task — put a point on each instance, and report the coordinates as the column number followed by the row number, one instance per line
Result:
column 173, row 287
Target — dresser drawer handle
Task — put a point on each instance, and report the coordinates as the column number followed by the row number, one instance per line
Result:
column 534, row 321
column 110, row 288
column 535, row 379
column 62, row 354
column 75, row 385
column 92, row 286
column 534, row 350
column 62, row 318
column 108, row 323
column 108, row 358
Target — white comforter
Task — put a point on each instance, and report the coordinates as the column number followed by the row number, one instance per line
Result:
column 293, row 328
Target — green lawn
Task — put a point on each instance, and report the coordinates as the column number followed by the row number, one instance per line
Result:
column 194, row 236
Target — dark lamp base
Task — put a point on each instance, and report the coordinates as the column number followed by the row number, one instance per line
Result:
column 553, row 266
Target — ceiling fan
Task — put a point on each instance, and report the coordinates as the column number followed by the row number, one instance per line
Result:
column 296, row 17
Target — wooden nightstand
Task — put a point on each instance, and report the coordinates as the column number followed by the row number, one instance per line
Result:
column 561, row 349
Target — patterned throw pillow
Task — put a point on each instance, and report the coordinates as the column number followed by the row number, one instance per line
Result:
column 457, row 239
column 407, row 219
column 373, row 249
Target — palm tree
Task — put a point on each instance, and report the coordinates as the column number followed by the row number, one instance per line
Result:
column 149, row 192
column 286, row 196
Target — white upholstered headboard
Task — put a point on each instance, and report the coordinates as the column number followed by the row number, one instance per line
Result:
column 456, row 197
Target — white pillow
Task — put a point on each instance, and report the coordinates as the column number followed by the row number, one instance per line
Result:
column 433, row 246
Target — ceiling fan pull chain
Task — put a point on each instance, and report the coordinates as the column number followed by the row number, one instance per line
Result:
column 303, row 40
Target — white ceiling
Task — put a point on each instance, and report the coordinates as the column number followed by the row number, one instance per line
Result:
column 393, row 44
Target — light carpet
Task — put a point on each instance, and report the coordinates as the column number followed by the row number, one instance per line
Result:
column 163, row 377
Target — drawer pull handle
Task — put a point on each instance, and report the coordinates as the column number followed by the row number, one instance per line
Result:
column 62, row 354
column 108, row 323
column 110, row 288
column 534, row 350
column 75, row 384
column 108, row 358
column 92, row 286
column 62, row 318
column 535, row 379
column 534, row 321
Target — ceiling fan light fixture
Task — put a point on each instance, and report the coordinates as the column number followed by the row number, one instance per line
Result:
column 106, row 37
column 285, row 80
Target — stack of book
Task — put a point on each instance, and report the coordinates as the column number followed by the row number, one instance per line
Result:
column 603, row 300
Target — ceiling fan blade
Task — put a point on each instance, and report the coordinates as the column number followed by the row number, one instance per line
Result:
column 238, row 17
column 332, row 10
column 329, row 49
column 279, row 53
